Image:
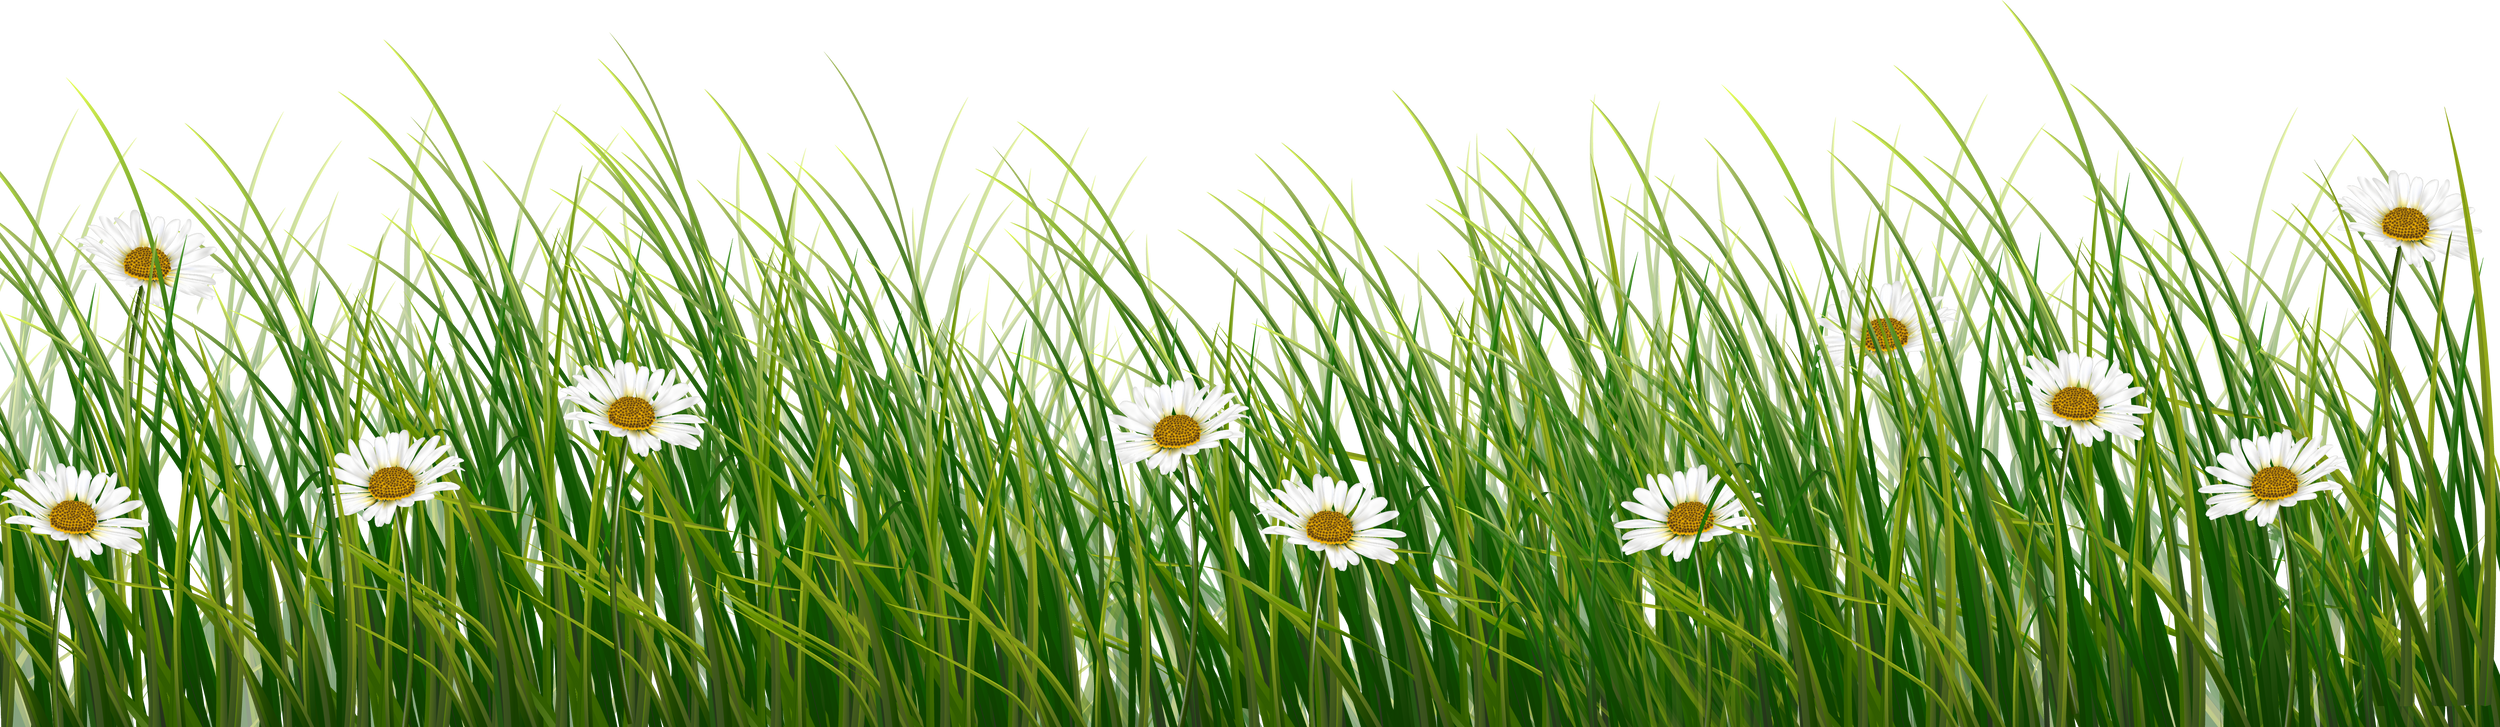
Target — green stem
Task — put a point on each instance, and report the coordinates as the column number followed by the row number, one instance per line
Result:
column 1318, row 590
column 408, row 595
column 61, row 603
column 138, row 321
column 1188, row 673
column 2291, row 638
column 616, row 593
column 2386, row 413
column 2056, row 693
column 1701, row 583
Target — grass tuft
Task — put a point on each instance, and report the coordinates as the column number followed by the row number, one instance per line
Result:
column 906, row 508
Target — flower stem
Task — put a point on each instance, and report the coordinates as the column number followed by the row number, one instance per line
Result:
column 2291, row 638
column 61, row 603
column 2396, row 276
column 1188, row 673
column 2053, row 698
column 2386, row 413
column 1318, row 590
column 2061, row 478
column 408, row 595
column 138, row 321
column 616, row 585
column 1701, row 580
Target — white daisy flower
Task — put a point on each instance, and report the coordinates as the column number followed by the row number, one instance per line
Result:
column 1339, row 520
column 2420, row 218
column 2087, row 394
column 2261, row 476
column 380, row 475
column 2466, row 271
column 648, row 407
column 1159, row 425
column 122, row 249
column 1678, row 511
column 84, row 508
column 1894, row 323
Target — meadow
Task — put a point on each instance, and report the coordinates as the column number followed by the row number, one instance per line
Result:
column 897, row 479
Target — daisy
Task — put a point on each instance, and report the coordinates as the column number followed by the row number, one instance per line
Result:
column 1336, row 519
column 2087, row 394
column 1679, row 511
column 83, row 508
column 1894, row 323
column 122, row 249
column 380, row 475
column 2421, row 219
column 2261, row 476
column 1159, row 425
column 648, row 407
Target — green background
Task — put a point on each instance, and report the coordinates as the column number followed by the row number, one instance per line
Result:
column 1203, row 123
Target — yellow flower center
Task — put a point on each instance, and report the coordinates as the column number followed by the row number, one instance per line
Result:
column 389, row 484
column 1689, row 518
column 1329, row 527
column 2273, row 483
column 1180, row 430
column 2075, row 404
column 2405, row 223
column 1884, row 335
column 147, row 263
column 73, row 517
column 632, row 414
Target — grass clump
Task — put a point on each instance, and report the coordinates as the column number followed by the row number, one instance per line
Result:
column 1864, row 492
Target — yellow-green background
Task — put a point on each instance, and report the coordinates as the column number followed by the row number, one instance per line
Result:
column 1203, row 123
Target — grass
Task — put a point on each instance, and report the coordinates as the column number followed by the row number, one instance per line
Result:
column 906, row 510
